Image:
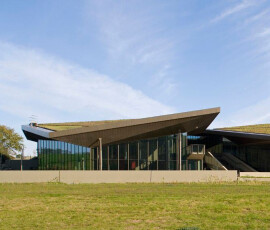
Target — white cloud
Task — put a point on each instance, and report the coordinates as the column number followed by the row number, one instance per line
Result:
column 257, row 17
column 34, row 83
column 135, row 37
column 130, row 32
column 260, row 40
column 255, row 114
column 233, row 10
column 258, row 113
column 264, row 33
column 163, row 83
column 252, row 27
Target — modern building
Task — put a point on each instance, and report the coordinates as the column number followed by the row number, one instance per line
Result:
column 171, row 142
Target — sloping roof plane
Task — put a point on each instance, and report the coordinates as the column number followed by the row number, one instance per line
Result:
column 117, row 131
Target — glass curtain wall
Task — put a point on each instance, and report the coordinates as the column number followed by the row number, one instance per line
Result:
column 123, row 157
column 57, row 155
column 257, row 157
column 113, row 157
column 133, row 156
column 152, row 154
column 192, row 144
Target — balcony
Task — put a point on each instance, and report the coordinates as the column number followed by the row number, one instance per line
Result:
column 195, row 152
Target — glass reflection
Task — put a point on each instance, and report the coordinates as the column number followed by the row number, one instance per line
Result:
column 151, row 154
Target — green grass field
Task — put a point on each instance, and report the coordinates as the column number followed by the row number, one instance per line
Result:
column 135, row 206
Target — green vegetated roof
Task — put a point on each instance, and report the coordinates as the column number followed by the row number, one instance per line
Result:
column 261, row 128
column 73, row 125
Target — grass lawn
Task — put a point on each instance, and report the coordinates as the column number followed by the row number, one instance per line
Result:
column 135, row 206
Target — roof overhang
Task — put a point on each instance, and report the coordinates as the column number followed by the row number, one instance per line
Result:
column 130, row 130
column 241, row 137
column 120, row 131
column 35, row 133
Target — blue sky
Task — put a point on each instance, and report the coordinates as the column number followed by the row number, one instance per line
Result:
column 95, row 60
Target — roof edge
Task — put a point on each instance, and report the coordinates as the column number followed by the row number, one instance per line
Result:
column 238, row 134
column 32, row 132
column 133, row 122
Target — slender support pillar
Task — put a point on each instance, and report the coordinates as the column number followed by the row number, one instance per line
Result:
column 180, row 151
column 100, row 154
column 90, row 159
column 98, row 158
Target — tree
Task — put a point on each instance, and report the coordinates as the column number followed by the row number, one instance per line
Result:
column 10, row 141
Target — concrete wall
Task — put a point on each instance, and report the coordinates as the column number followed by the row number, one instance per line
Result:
column 28, row 176
column 71, row 177
column 255, row 174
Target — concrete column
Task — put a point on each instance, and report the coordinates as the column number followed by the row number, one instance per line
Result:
column 180, row 151
column 97, row 158
column 202, row 165
column 90, row 153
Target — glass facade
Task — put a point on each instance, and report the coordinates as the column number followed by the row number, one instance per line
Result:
column 58, row 155
column 160, row 153
column 257, row 156
column 192, row 145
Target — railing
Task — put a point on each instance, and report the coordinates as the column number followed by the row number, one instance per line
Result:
column 195, row 149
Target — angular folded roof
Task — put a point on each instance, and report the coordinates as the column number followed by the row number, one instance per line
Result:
column 117, row 131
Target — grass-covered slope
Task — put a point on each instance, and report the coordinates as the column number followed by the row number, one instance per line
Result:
column 262, row 128
column 73, row 125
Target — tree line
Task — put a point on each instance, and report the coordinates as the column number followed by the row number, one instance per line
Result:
column 10, row 142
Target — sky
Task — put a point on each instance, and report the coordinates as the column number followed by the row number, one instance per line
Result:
column 78, row 60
